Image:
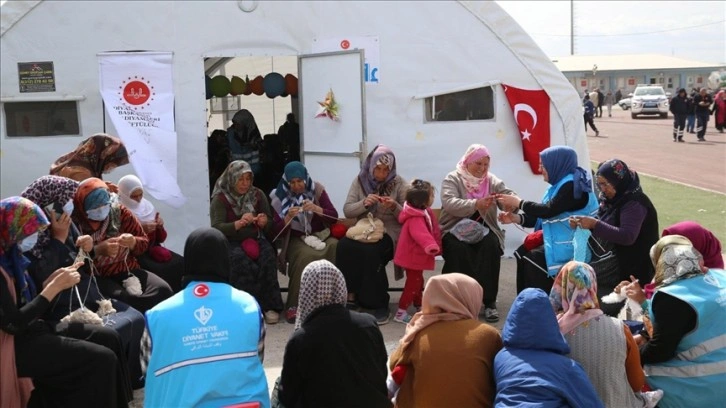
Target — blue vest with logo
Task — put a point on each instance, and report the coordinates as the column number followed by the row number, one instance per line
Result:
column 204, row 349
column 557, row 233
column 696, row 375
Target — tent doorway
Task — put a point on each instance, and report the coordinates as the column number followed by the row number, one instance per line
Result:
column 235, row 84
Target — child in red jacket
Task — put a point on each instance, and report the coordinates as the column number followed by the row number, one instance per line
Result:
column 418, row 244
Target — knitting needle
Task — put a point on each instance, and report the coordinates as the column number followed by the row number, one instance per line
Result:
column 78, row 294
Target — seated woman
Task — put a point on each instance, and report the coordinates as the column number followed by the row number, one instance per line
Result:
column 304, row 212
column 118, row 239
column 379, row 190
column 468, row 193
column 242, row 213
column 570, row 194
column 94, row 157
column 57, row 247
column 335, row 357
column 702, row 239
column 683, row 356
column 626, row 219
column 445, row 343
column 615, row 370
column 166, row 264
column 65, row 371
column 533, row 368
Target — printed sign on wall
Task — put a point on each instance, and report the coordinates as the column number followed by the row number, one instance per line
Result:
column 36, row 77
column 371, row 71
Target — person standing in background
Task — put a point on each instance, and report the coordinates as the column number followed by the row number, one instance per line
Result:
column 609, row 101
column 703, row 103
column 691, row 118
column 599, row 102
column 588, row 114
column 618, row 95
column 679, row 107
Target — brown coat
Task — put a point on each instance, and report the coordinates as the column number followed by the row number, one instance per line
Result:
column 450, row 364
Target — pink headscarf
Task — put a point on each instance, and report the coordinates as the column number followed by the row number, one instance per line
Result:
column 476, row 187
column 574, row 296
column 448, row 297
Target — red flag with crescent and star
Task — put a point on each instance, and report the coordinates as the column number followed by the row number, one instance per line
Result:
column 531, row 109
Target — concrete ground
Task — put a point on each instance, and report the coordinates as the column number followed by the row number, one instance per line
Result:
column 278, row 334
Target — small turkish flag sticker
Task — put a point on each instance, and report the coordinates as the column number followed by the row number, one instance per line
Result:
column 345, row 44
column 201, row 290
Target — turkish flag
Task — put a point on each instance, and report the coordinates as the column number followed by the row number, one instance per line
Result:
column 531, row 111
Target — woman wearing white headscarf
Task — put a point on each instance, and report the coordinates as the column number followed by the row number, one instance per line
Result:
column 166, row 264
column 335, row 357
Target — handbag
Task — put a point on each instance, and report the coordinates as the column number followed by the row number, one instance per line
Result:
column 368, row 230
column 469, row 231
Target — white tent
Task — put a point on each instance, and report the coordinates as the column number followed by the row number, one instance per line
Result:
column 423, row 49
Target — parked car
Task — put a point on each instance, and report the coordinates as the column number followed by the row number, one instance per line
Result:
column 625, row 103
column 649, row 100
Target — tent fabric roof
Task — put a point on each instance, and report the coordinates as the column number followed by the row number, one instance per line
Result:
column 12, row 11
column 627, row 62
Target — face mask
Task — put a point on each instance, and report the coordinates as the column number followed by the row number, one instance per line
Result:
column 28, row 242
column 68, row 208
column 99, row 214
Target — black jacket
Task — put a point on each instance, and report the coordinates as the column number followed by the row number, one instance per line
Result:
column 336, row 359
column 703, row 109
column 680, row 106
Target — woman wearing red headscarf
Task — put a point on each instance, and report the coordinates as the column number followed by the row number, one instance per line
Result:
column 118, row 238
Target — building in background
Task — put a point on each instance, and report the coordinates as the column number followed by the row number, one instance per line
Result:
column 625, row 72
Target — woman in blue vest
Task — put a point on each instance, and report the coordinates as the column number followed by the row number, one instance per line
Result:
column 210, row 336
column 545, row 251
column 686, row 353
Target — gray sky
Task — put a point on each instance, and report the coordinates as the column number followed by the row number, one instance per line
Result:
column 598, row 25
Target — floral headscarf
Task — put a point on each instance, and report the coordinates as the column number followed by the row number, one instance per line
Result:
column 86, row 189
column 380, row 155
column 93, row 157
column 19, row 218
column 675, row 258
column 321, row 284
column 476, row 187
column 574, row 295
column 702, row 239
column 624, row 181
column 46, row 191
column 288, row 199
column 240, row 203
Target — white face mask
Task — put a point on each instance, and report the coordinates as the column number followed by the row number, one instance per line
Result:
column 68, row 208
column 100, row 213
column 28, row 242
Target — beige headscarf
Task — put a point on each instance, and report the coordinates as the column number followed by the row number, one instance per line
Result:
column 675, row 258
column 448, row 297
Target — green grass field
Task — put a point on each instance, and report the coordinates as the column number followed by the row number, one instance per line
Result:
column 676, row 202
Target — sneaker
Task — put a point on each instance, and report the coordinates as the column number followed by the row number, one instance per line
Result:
column 652, row 398
column 402, row 318
column 597, row 133
column 291, row 315
column 702, row 139
column 491, row 315
column 681, row 141
column 272, row 317
column 382, row 315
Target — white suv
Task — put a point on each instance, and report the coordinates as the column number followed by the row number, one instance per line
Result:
column 649, row 100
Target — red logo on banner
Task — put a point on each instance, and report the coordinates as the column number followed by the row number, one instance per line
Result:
column 531, row 111
column 136, row 92
column 345, row 44
column 200, row 290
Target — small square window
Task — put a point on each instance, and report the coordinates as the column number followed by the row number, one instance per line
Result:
column 57, row 118
column 473, row 104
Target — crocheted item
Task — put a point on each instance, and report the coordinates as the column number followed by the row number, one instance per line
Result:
column 314, row 242
column 469, row 231
column 82, row 315
column 369, row 229
column 132, row 284
column 105, row 308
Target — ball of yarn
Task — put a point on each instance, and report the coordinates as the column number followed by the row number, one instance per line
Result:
column 251, row 248
column 338, row 230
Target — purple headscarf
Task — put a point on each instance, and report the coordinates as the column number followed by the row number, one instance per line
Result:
column 380, row 154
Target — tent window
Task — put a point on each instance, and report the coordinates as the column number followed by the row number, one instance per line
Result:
column 57, row 118
column 472, row 104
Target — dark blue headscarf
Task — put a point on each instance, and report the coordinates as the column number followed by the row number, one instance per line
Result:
column 287, row 197
column 560, row 161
